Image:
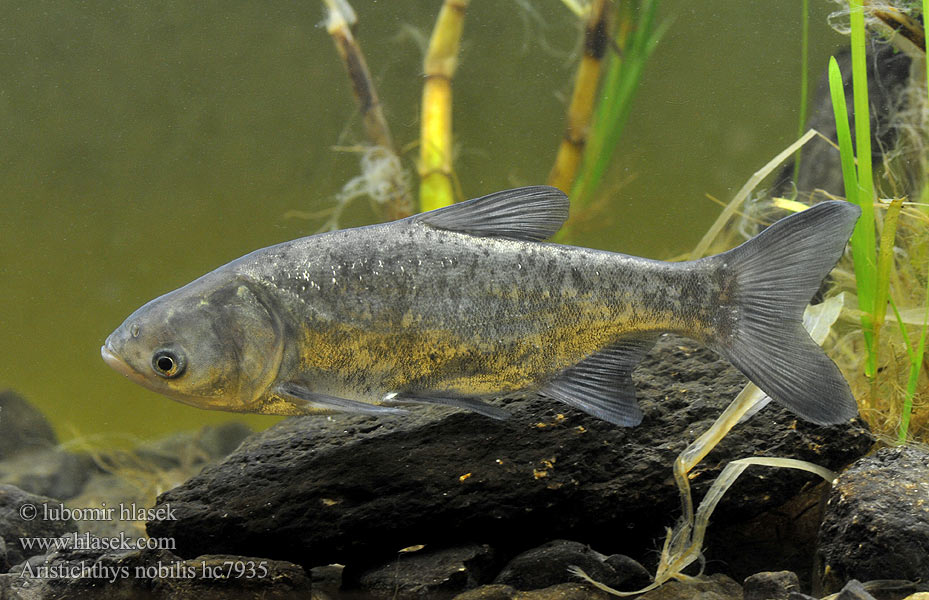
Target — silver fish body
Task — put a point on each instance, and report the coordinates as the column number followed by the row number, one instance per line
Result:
column 466, row 303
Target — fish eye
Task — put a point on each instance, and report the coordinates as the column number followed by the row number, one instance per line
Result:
column 168, row 363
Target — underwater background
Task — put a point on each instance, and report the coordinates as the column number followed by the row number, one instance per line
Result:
column 144, row 144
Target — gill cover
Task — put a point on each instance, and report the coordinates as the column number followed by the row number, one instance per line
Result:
column 254, row 344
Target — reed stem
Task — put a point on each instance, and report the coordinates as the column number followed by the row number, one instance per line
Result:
column 580, row 110
column 435, row 149
column 339, row 23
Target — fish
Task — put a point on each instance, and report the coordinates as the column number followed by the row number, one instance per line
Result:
column 468, row 303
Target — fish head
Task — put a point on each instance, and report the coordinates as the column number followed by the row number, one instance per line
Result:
column 213, row 344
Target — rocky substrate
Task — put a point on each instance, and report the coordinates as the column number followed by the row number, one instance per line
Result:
column 443, row 504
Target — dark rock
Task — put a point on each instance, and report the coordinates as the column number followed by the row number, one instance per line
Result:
column 712, row 587
column 629, row 571
column 426, row 575
column 876, row 524
column 327, row 576
column 882, row 590
column 355, row 489
column 769, row 585
column 562, row 591
column 193, row 449
column 154, row 575
column 112, row 491
column 549, row 565
column 494, row 591
column 780, row 539
column 220, row 440
column 853, row 590
column 50, row 472
column 235, row 578
column 5, row 564
column 22, row 515
column 73, row 573
column 22, row 426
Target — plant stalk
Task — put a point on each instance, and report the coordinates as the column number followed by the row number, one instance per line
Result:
column 435, row 149
column 339, row 23
column 580, row 110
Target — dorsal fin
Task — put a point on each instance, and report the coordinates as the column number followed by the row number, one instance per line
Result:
column 601, row 384
column 528, row 213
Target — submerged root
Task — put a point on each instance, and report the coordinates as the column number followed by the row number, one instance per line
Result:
column 382, row 177
column 382, row 180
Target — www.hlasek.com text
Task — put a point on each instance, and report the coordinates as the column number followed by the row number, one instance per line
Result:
column 88, row 541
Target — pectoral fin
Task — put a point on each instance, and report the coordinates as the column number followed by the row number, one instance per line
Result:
column 601, row 384
column 305, row 401
column 471, row 404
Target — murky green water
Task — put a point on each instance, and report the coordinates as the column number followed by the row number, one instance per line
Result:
column 143, row 144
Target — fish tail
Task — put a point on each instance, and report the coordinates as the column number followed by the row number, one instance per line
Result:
column 765, row 285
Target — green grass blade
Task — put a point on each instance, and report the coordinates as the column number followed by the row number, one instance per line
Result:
column 863, row 237
column 612, row 112
column 907, row 344
column 916, row 363
column 862, row 251
column 862, row 110
column 804, row 75
column 885, row 262
column 843, row 132
column 916, row 359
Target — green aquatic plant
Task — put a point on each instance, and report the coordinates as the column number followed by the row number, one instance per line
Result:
column 915, row 351
column 859, row 186
column 881, row 277
column 635, row 39
column 804, row 76
column 915, row 354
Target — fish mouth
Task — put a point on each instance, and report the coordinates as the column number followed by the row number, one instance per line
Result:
column 118, row 364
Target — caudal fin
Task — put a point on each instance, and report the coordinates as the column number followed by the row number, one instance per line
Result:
column 771, row 279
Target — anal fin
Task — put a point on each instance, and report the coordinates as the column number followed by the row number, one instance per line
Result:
column 601, row 384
